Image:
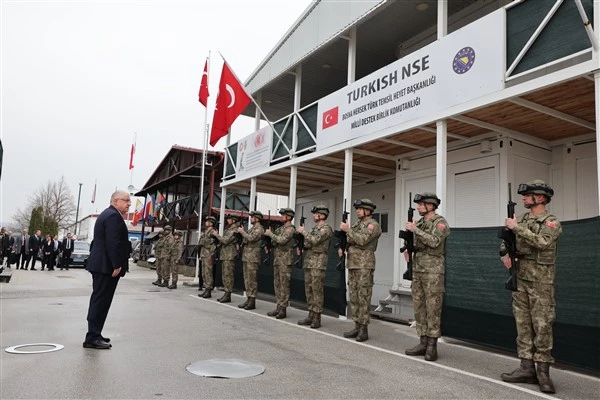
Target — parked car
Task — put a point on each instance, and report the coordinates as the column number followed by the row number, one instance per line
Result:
column 80, row 254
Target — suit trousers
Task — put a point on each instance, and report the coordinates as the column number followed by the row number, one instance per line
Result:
column 103, row 291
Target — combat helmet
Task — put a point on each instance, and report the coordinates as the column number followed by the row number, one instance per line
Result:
column 167, row 228
column 321, row 209
column 211, row 219
column 177, row 233
column 536, row 186
column 427, row 197
column 235, row 218
column 287, row 211
column 256, row 214
column 367, row 204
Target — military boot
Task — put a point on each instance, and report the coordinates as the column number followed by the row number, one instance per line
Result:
column 543, row 376
column 244, row 304
column 418, row 350
column 282, row 313
column 307, row 320
column 164, row 284
column 157, row 282
column 274, row 312
column 206, row 294
column 363, row 333
column 524, row 374
column 226, row 298
column 431, row 352
column 316, row 321
column 354, row 332
column 251, row 304
column 172, row 286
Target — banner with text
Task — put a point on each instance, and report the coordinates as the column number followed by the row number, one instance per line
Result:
column 460, row 67
column 254, row 152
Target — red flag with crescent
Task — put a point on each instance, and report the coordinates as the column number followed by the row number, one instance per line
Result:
column 203, row 93
column 232, row 99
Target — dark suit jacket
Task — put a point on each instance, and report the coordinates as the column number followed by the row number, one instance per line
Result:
column 34, row 244
column 48, row 247
column 111, row 244
column 64, row 245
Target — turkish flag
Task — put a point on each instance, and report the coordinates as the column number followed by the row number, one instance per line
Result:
column 131, row 156
column 330, row 118
column 203, row 93
column 231, row 101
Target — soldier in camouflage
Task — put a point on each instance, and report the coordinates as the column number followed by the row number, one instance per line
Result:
column 163, row 258
column 282, row 264
column 207, row 246
column 429, row 266
column 157, row 250
column 362, row 239
column 228, row 253
column 175, row 253
column 251, row 258
column 533, row 303
column 316, row 245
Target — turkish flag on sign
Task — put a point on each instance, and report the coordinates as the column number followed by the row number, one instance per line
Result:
column 231, row 101
column 330, row 118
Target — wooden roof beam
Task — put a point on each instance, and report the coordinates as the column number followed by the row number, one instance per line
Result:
column 359, row 164
column 403, row 144
column 553, row 113
column 449, row 134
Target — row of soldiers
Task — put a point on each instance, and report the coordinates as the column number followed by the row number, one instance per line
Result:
column 168, row 251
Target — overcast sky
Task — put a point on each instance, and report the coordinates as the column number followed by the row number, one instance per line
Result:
column 80, row 78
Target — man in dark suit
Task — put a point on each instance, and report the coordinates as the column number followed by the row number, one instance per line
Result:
column 22, row 250
column 67, row 250
column 108, row 261
column 34, row 247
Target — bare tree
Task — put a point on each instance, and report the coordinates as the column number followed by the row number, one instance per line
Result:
column 56, row 200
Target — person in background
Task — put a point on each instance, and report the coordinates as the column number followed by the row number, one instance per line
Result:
column 47, row 252
column 67, row 249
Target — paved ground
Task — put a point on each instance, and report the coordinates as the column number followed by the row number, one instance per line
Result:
column 156, row 333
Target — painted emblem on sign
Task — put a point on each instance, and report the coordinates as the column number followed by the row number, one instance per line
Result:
column 463, row 60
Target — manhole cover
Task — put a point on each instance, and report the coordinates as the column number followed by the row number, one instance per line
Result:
column 53, row 347
column 225, row 368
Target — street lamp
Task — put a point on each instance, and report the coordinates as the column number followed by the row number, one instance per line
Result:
column 77, row 213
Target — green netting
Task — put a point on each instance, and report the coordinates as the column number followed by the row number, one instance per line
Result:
column 305, row 140
column 231, row 161
column 563, row 35
column 281, row 151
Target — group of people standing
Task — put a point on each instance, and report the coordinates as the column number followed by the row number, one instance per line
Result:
column 533, row 302
column 25, row 249
column 168, row 250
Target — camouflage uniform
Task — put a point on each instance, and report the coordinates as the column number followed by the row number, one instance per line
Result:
column 227, row 256
column 251, row 258
column 428, row 274
column 207, row 249
column 282, row 263
column 316, row 244
column 533, row 302
column 362, row 243
column 157, row 253
column 175, row 253
column 165, row 259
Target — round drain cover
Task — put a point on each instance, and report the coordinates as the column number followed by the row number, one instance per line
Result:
column 225, row 368
column 53, row 347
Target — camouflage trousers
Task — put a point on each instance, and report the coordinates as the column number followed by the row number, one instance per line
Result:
column 227, row 274
column 428, row 297
column 534, row 310
column 207, row 273
column 165, row 268
column 313, row 287
column 250, row 280
column 159, row 268
column 174, row 272
column 360, row 289
column 281, row 281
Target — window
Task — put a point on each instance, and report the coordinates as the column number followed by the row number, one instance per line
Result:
column 382, row 218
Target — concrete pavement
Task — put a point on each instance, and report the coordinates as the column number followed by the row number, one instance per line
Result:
column 157, row 332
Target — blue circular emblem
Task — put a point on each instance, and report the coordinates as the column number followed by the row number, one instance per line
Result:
column 463, row 60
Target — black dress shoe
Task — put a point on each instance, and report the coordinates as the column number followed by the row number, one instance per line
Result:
column 97, row 344
column 106, row 339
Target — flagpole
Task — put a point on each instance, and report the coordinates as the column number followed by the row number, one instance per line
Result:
column 201, row 193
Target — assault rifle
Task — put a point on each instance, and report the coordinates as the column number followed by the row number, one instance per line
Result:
column 409, row 242
column 510, row 242
column 298, row 261
column 341, row 241
column 266, row 244
column 239, row 241
column 215, row 255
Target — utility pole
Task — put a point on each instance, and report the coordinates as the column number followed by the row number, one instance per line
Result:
column 77, row 213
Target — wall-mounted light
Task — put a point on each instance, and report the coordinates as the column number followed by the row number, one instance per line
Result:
column 485, row 146
column 326, row 66
column 422, row 6
column 404, row 165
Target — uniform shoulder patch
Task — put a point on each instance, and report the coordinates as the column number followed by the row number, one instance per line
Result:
column 371, row 227
column 551, row 224
column 441, row 226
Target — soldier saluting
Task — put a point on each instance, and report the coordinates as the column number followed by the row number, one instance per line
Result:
column 533, row 304
column 362, row 239
column 207, row 247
